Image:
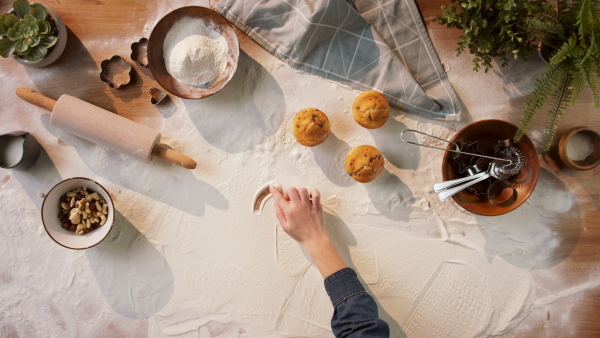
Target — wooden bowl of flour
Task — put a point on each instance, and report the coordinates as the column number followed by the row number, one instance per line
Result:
column 200, row 48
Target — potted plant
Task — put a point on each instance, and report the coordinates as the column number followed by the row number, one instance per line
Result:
column 32, row 34
column 571, row 31
column 492, row 28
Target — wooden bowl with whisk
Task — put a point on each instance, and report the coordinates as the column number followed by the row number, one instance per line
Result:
column 487, row 133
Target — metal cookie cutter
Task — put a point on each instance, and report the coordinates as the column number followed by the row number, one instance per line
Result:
column 157, row 95
column 139, row 52
column 116, row 72
column 464, row 159
column 19, row 150
column 502, row 145
column 501, row 193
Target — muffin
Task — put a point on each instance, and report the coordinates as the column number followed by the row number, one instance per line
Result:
column 371, row 109
column 311, row 127
column 364, row 163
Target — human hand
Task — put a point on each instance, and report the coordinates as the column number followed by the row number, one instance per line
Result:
column 301, row 216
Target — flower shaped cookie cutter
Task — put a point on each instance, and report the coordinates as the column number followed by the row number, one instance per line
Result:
column 116, row 72
column 139, row 52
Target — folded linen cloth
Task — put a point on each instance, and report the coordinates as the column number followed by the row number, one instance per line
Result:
column 366, row 44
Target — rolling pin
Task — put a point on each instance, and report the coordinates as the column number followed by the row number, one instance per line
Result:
column 105, row 128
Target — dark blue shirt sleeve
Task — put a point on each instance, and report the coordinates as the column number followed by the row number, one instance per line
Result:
column 355, row 311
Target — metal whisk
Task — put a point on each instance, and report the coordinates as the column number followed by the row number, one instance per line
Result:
column 510, row 160
column 509, row 165
column 517, row 160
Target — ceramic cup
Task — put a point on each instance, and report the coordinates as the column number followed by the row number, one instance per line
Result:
column 51, row 209
column 579, row 148
column 19, row 150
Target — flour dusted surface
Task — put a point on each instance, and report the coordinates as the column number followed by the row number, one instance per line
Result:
column 195, row 261
column 194, row 52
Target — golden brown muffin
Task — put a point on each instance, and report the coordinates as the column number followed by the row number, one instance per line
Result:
column 364, row 163
column 371, row 109
column 311, row 127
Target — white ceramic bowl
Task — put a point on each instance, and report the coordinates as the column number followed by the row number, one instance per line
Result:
column 51, row 209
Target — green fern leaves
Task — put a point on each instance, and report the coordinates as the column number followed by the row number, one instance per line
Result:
column 589, row 77
column 546, row 27
column 561, row 98
column 573, row 32
column 587, row 11
column 565, row 51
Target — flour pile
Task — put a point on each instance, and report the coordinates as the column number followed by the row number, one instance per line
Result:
column 580, row 146
column 195, row 52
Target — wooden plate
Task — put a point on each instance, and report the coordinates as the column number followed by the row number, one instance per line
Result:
column 487, row 133
column 156, row 62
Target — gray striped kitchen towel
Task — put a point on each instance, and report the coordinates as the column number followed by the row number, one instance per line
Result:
column 367, row 44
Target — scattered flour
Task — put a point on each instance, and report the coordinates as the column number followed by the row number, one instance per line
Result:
column 291, row 257
column 192, row 262
column 194, row 52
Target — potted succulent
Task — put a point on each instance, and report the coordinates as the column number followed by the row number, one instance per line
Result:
column 492, row 29
column 571, row 32
column 32, row 34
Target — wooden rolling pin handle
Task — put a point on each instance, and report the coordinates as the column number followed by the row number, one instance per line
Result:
column 36, row 98
column 172, row 156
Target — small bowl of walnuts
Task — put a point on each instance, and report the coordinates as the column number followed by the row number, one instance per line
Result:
column 78, row 213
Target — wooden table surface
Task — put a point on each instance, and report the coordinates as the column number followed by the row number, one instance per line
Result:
column 109, row 28
column 578, row 258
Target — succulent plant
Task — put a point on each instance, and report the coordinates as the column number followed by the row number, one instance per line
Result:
column 27, row 31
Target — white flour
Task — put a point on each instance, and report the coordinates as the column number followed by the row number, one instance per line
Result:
column 580, row 146
column 195, row 53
